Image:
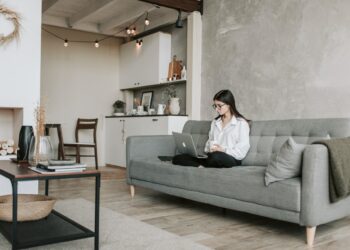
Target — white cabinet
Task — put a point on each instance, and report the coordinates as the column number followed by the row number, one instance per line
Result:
column 119, row 128
column 147, row 64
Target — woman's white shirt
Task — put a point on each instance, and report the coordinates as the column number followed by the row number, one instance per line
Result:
column 233, row 138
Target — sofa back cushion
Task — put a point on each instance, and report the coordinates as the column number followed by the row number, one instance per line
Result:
column 267, row 137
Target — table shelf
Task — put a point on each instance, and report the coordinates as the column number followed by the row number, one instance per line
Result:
column 53, row 229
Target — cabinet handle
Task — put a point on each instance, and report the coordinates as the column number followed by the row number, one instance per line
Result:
column 154, row 120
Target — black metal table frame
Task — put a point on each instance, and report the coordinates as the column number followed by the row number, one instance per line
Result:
column 95, row 234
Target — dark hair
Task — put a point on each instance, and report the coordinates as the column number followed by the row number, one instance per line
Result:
column 227, row 97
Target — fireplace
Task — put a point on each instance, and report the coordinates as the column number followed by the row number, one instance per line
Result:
column 11, row 120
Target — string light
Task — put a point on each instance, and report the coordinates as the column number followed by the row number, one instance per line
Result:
column 97, row 44
column 128, row 31
column 139, row 42
column 65, row 44
column 146, row 20
column 133, row 31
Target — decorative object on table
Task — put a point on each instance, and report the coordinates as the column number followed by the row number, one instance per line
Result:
column 183, row 73
column 161, row 108
column 40, row 149
column 146, row 99
column 26, row 135
column 151, row 111
column 30, row 207
column 14, row 18
column 174, row 106
column 174, row 69
column 119, row 107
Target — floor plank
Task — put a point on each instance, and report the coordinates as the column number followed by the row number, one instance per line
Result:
column 199, row 222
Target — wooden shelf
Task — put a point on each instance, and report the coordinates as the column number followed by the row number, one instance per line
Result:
column 158, row 84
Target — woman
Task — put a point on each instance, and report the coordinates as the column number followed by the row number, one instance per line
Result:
column 228, row 141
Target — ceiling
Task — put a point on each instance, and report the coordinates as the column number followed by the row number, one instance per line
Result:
column 109, row 17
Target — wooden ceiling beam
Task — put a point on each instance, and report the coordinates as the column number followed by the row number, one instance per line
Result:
column 92, row 8
column 183, row 5
column 47, row 4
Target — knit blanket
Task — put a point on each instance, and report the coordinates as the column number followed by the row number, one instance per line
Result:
column 339, row 167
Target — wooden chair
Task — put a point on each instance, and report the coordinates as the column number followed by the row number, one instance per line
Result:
column 48, row 126
column 84, row 124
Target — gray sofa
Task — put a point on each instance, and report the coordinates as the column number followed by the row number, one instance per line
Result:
column 303, row 200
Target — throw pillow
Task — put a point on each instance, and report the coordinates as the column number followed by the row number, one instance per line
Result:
column 286, row 163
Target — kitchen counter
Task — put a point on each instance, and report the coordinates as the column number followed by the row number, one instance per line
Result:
column 119, row 116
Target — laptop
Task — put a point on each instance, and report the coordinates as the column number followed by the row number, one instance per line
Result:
column 185, row 145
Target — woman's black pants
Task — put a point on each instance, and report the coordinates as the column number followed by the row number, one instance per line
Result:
column 215, row 160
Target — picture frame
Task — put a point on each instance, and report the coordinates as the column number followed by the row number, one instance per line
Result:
column 146, row 98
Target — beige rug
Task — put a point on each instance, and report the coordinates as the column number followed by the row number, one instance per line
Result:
column 117, row 231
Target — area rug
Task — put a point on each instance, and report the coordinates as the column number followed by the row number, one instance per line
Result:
column 117, row 231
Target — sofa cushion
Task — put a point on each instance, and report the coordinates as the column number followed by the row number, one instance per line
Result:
column 286, row 163
column 245, row 183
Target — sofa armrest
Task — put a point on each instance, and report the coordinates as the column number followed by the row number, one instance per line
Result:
column 316, row 207
column 148, row 146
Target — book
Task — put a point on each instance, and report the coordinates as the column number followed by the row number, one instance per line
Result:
column 55, row 167
column 61, row 162
column 48, row 171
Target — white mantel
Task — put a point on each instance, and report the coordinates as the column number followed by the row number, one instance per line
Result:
column 20, row 71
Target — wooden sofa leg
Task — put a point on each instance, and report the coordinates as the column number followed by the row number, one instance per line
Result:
column 310, row 235
column 132, row 191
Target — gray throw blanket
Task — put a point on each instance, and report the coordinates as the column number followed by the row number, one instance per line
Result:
column 339, row 167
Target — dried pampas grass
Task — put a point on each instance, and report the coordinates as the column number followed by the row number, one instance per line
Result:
column 14, row 18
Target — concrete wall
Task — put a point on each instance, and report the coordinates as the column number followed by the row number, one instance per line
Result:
column 79, row 81
column 281, row 59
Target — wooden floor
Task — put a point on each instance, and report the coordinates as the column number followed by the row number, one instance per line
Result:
column 202, row 223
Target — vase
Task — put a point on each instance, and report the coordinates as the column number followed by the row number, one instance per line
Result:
column 174, row 107
column 25, row 136
column 40, row 151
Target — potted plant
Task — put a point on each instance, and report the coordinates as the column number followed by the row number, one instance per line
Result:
column 170, row 92
column 119, row 107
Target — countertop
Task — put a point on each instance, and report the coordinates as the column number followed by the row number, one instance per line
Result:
column 120, row 116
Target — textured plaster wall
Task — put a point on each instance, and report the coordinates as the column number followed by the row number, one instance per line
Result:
column 281, row 59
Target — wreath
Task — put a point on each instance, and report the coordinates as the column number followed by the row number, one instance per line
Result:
column 14, row 18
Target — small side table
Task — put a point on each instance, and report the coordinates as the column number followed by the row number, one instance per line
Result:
column 56, row 227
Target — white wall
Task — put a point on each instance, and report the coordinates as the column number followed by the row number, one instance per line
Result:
column 20, row 62
column 20, row 69
column 79, row 81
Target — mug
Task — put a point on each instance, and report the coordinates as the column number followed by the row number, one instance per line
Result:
column 161, row 108
column 151, row 111
column 133, row 112
column 139, row 110
column 211, row 145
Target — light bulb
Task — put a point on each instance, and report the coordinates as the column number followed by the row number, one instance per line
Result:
column 97, row 44
column 65, row 44
column 133, row 31
column 146, row 22
column 128, row 31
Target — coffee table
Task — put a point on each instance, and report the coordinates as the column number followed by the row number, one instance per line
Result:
column 54, row 228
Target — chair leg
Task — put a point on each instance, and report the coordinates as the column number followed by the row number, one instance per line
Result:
column 310, row 235
column 78, row 154
column 132, row 191
column 96, row 159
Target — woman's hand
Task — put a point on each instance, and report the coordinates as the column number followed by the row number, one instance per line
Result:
column 217, row 147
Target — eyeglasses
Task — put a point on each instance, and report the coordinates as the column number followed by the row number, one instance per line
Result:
column 219, row 106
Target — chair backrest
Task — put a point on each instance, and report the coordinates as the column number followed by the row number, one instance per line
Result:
column 267, row 137
column 86, row 124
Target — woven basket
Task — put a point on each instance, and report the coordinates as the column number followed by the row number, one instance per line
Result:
column 30, row 207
